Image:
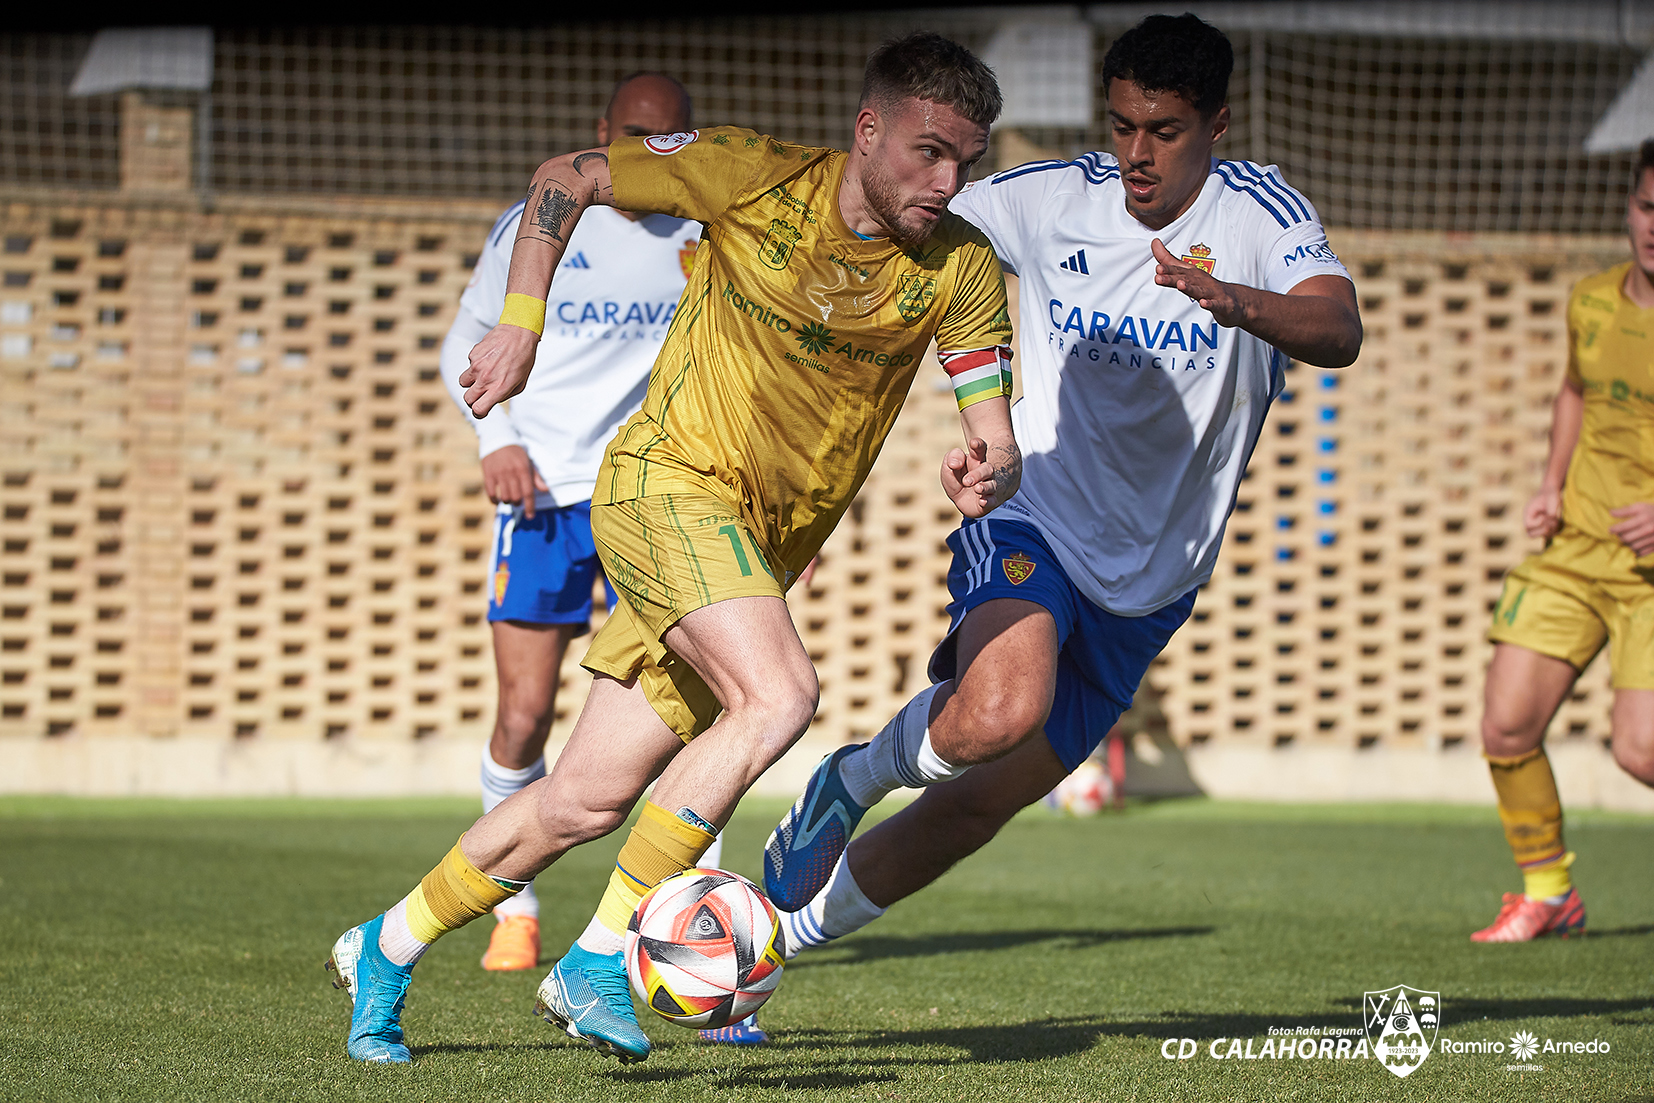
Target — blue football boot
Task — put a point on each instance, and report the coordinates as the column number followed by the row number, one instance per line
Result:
column 377, row 991
column 744, row 1033
column 807, row 844
column 588, row 996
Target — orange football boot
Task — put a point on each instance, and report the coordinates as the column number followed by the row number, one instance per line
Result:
column 514, row 945
column 1523, row 920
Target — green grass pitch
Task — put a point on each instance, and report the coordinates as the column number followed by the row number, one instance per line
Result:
column 173, row 951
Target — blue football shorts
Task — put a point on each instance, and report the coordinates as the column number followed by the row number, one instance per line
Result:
column 1101, row 657
column 543, row 568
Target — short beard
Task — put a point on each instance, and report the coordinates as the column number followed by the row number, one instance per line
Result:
column 887, row 205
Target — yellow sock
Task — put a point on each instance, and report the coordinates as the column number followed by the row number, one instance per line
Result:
column 1531, row 812
column 659, row 846
column 1549, row 881
column 453, row 894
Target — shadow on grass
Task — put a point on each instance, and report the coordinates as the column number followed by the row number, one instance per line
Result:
column 875, row 947
column 1620, row 932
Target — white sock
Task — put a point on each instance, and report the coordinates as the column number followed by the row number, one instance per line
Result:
column 598, row 939
column 899, row 756
column 837, row 910
column 714, row 854
column 396, row 941
column 498, row 783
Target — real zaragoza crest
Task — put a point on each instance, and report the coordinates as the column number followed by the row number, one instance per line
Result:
column 914, row 294
column 1401, row 1023
column 777, row 247
column 1201, row 257
column 1017, row 567
column 686, row 253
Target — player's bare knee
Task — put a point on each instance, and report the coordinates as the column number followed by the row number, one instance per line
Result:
column 1636, row 757
column 989, row 724
column 1505, row 736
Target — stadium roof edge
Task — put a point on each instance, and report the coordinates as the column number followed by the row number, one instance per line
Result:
column 1605, row 22
column 154, row 58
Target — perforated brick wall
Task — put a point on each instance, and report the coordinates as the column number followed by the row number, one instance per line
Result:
column 237, row 501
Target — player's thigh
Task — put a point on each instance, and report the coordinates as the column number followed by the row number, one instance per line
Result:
column 748, row 652
column 1523, row 691
column 528, row 660
column 1004, row 680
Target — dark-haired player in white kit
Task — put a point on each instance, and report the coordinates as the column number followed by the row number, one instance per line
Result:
column 1162, row 291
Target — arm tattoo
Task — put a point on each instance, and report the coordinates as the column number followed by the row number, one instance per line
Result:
column 584, row 158
column 556, row 207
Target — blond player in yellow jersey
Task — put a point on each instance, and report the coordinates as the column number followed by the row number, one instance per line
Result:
column 822, row 277
column 1593, row 583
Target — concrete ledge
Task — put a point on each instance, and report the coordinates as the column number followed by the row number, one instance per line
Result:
column 1586, row 775
column 135, row 766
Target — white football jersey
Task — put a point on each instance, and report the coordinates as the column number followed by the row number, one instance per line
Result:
column 1139, row 411
column 612, row 299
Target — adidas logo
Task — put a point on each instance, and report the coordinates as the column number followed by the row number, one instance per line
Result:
column 1076, row 263
column 576, row 261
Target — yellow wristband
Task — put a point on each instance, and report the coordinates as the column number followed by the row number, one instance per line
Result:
column 525, row 311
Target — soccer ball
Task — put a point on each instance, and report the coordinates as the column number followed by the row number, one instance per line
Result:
column 1085, row 792
column 704, row 948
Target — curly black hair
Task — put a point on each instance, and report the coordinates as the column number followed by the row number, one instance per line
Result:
column 1645, row 161
column 1174, row 53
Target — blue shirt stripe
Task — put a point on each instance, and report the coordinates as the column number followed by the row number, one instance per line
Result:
column 505, row 220
column 1291, row 200
column 1243, row 186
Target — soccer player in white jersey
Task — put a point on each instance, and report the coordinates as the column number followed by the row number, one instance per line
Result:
column 1162, row 292
column 617, row 292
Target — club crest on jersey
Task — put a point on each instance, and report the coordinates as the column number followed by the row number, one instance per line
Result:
column 502, row 575
column 777, row 247
column 1018, row 568
column 1201, row 257
column 686, row 254
column 1401, row 1023
column 668, row 144
column 914, row 294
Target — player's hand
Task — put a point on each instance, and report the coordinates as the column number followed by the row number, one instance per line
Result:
column 1637, row 528
column 508, row 476
column 968, row 479
column 1222, row 299
column 1542, row 516
column 499, row 367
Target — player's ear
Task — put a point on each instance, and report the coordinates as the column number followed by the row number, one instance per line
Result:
column 868, row 127
column 1220, row 123
column 603, row 131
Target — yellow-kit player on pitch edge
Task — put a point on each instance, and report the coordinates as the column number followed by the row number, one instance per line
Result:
column 822, row 277
column 1593, row 583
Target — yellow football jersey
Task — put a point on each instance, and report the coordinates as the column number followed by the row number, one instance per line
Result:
column 1611, row 358
column 795, row 341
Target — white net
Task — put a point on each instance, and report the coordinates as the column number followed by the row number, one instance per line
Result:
column 1382, row 131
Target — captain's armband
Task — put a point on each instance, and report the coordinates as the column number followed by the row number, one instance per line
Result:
column 979, row 374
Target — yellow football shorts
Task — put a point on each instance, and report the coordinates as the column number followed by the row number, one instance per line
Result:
column 1576, row 594
column 666, row 556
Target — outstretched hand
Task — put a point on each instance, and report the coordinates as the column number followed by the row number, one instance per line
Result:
column 1222, row 299
column 969, row 479
column 500, row 364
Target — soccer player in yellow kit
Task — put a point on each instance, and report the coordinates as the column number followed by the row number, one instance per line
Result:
column 822, row 277
column 1594, row 582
